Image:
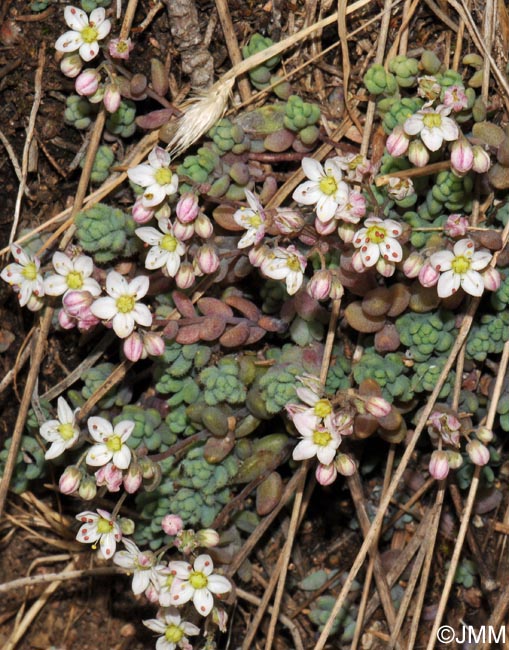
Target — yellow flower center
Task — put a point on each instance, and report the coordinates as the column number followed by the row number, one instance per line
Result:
column 355, row 162
column 114, row 443
column 376, row 234
column 104, row 526
column 74, row 280
column 432, row 120
column 169, row 580
column 163, row 176
column 66, row 431
column 125, row 304
column 323, row 408
column 321, row 437
column 328, row 185
column 460, row 264
column 169, row 243
column 255, row 221
column 198, row 580
column 89, row 34
column 293, row 263
column 122, row 46
column 29, row 271
column 173, row 633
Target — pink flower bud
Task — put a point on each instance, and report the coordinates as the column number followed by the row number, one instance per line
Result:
column 152, row 594
column 87, row 82
column 207, row 259
column 482, row 162
column 207, row 538
column 133, row 479
column 346, row 231
column 257, row 255
column 428, row 276
column 183, row 231
column 70, row 480
column 87, row 489
column 439, row 465
column 319, row 285
column 147, row 467
column 187, row 208
column 203, row 226
column 140, row 213
column 418, row 155
column 491, row 279
column 120, row 48
column 336, row 289
column 400, row 188
column 71, row 65
column 153, row 344
column 377, row 406
column 112, row 98
column 220, row 618
column 456, row 226
column 77, row 303
column 397, row 143
column 97, row 97
column 87, row 320
column 413, row 264
column 326, row 474
column 484, row 434
column 185, row 276
column 345, row 465
column 172, row 524
column 288, row 221
column 110, row 476
column 65, row 321
column 455, row 98
column 357, row 264
column 385, row 268
column 462, row 156
column 133, row 347
column 454, row 458
column 325, row 228
column 479, row 454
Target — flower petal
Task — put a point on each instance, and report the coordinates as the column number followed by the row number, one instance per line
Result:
column 123, row 325
column 116, row 284
column 98, row 455
column 149, row 235
column 313, row 169
column 307, row 193
column 142, row 175
column 76, row 18
column 99, row 428
column 139, row 286
column 55, row 285
column 203, row 601
column 472, row 283
column 89, row 51
column 69, row 42
column 122, row 457
column 219, row 584
column 448, row 283
column 104, row 308
column 156, row 258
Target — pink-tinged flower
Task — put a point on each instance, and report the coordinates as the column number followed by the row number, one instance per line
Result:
column 377, row 406
column 428, row 87
column 121, row 307
column 166, row 250
column 110, row 476
column 285, row 264
column 133, row 478
column 187, row 208
column 70, row 480
column 76, row 311
column 319, row 285
column 454, row 458
column 479, row 454
column 140, row 213
column 88, row 488
column 320, row 442
column 345, row 465
column 110, row 442
column 418, row 155
column 413, row 264
column 72, row 275
column 61, row 433
column 456, row 226
column 133, row 347
column 400, row 188
column 207, row 538
column 433, row 126
column 153, row 344
column 112, row 98
column 397, row 142
column 460, row 267
column 120, row 48
column 99, row 527
column 378, row 238
column 491, row 278
column 355, row 165
column 24, row 276
column 185, row 277
column 325, row 228
column 482, row 161
column 325, row 189
column 203, row 226
column 172, row 524
column 439, row 465
column 156, row 177
column 252, row 219
column 428, row 275
column 140, row 563
column 85, row 32
column 71, row 65
column 288, row 221
column 462, row 156
column 258, row 255
column 183, row 231
column 318, row 410
column 173, row 630
column 455, row 98
column 484, row 434
column 87, row 82
column 207, row 259
column 444, row 426
column 353, row 210
column 197, row 583
column 326, row 474
column 346, row 232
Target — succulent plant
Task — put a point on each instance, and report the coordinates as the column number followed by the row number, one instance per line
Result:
column 466, row 573
column 396, row 110
column 378, row 81
column 389, row 371
column 405, row 70
column 103, row 161
column 30, row 463
column 90, row 5
column 93, row 378
column 122, row 122
column 488, row 336
column 228, row 136
column 261, row 74
column 221, row 383
column 425, row 376
column 426, row 334
column 79, row 112
column 149, row 431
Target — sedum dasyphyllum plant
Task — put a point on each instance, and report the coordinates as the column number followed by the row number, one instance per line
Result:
column 234, row 391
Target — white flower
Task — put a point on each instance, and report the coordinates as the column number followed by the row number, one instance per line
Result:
column 24, row 276
column 140, row 563
column 433, row 125
column 166, row 249
column 99, row 527
column 85, row 32
column 460, row 267
column 62, row 433
column 378, row 239
column 320, row 409
column 110, row 442
column 197, row 583
column 121, row 307
column 72, row 275
column 320, row 442
column 156, row 177
column 173, row 629
column 285, row 264
column 252, row 219
column 325, row 187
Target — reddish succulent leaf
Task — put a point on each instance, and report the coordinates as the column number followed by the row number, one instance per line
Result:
column 223, row 215
column 255, row 334
column 155, row 119
column 362, row 322
column 211, row 328
column 171, row 329
column 189, row 334
column 214, row 307
column 184, row 305
column 246, row 307
column 216, row 449
column 268, row 494
column 271, row 324
column 236, row 336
